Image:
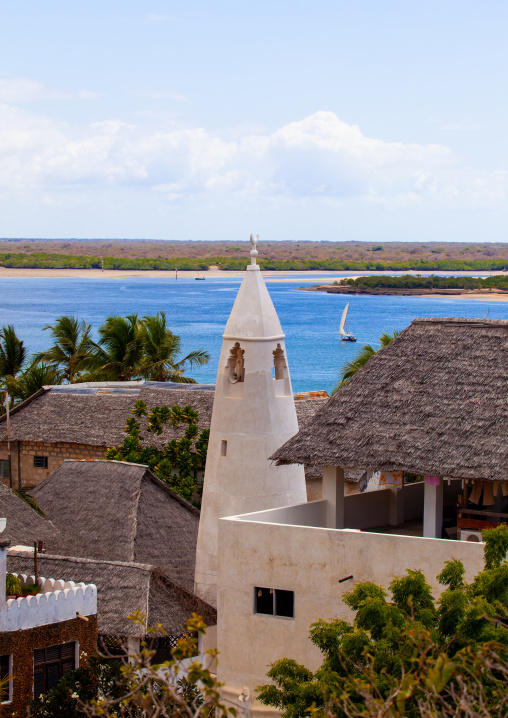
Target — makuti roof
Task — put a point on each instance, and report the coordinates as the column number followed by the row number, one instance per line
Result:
column 94, row 414
column 120, row 511
column 434, row 401
column 122, row 588
column 24, row 525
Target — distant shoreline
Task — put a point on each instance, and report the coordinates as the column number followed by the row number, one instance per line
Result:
column 482, row 294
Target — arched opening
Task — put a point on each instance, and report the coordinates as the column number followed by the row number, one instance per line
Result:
column 236, row 365
column 279, row 363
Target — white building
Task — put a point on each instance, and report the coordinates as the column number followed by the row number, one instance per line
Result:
column 432, row 404
column 253, row 415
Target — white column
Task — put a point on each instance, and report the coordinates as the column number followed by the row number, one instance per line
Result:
column 396, row 507
column 333, row 493
column 433, row 510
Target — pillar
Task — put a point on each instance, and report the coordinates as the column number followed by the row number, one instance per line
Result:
column 433, row 510
column 333, row 493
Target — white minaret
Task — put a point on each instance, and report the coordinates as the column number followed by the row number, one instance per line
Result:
column 253, row 415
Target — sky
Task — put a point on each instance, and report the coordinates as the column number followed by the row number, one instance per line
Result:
column 328, row 120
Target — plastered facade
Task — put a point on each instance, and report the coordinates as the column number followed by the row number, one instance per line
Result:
column 253, row 415
column 311, row 561
column 23, row 472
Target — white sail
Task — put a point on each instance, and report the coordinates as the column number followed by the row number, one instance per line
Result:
column 343, row 320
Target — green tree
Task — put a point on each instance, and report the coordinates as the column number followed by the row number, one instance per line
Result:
column 71, row 351
column 33, row 378
column 412, row 655
column 119, row 352
column 138, row 688
column 365, row 353
column 13, row 353
column 161, row 349
column 177, row 461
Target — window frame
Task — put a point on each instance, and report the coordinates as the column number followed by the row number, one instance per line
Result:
column 5, row 463
column 43, row 665
column 274, row 602
column 44, row 459
column 9, row 683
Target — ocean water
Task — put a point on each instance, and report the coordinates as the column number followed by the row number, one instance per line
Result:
column 198, row 312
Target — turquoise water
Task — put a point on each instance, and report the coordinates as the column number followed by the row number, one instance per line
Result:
column 198, row 312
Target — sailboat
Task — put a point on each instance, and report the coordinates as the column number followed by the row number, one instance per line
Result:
column 344, row 335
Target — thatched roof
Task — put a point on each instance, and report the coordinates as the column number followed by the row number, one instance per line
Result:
column 24, row 525
column 120, row 511
column 123, row 588
column 434, row 401
column 94, row 414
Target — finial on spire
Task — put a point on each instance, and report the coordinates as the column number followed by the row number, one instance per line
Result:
column 253, row 251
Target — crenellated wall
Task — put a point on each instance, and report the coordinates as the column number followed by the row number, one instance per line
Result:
column 58, row 601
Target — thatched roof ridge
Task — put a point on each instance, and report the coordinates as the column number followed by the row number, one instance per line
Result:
column 24, row 525
column 120, row 511
column 95, row 414
column 122, row 588
column 434, row 401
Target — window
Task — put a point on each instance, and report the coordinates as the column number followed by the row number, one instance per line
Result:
column 50, row 664
column 40, row 462
column 223, row 447
column 4, row 469
column 6, row 670
column 274, row 602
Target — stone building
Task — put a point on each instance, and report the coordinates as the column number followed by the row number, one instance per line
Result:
column 80, row 421
column 433, row 403
column 42, row 636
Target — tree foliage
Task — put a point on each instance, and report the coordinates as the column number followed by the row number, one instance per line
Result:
column 363, row 356
column 409, row 654
column 178, row 460
column 137, row 688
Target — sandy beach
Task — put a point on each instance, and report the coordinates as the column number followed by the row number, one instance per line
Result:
column 492, row 295
column 155, row 274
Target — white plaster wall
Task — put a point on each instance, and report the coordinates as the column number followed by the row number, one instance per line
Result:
column 309, row 561
column 60, row 601
column 255, row 417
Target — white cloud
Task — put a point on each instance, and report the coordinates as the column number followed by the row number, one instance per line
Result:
column 22, row 89
column 317, row 159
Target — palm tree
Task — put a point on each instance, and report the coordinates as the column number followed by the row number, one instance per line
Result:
column 119, row 352
column 72, row 348
column 12, row 352
column 350, row 368
column 35, row 376
column 161, row 349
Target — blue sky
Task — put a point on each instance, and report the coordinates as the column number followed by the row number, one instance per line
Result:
column 297, row 120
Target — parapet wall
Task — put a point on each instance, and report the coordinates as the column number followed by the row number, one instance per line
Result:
column 58, row 601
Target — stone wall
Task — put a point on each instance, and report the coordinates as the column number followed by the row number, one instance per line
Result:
column 29, row 476
column 21, row 645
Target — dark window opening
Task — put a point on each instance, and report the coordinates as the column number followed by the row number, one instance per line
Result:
column 285, row 604
column 50, row 664
column 274, row 602
column 40, row 462
column 264, row 601
column 223, row 448
column 5, row 671
column 4, row 469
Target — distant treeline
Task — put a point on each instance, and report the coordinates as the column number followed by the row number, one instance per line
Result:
column 43, row 260
column 411, row 281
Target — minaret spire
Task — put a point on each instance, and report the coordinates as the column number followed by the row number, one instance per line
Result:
column 253, row 415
